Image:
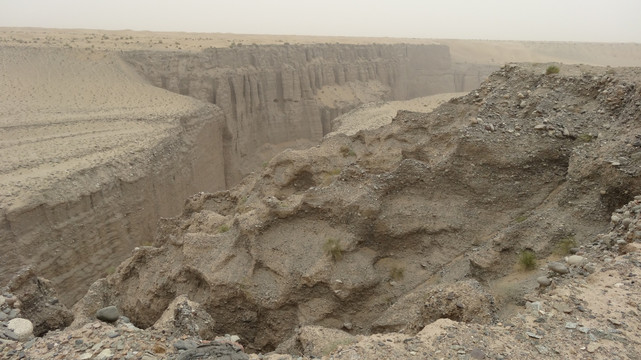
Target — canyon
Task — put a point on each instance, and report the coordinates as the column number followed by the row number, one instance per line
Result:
column 106, row 141
column 94, row 207
column 273, row 192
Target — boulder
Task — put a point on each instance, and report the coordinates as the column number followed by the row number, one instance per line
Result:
column 558, row 268
column 186, row 317
column 543, row 281
column 23, row 328
column 108, row 314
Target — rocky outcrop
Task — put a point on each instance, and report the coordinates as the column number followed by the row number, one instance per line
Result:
column 276, row 94
column 39, row 302
column 335, row 235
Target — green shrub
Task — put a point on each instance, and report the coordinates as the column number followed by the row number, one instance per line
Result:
column 552, row 69
column 223, row 228
column 527, row 260
column 565, row 244
column 333, row 248
column 585, row 137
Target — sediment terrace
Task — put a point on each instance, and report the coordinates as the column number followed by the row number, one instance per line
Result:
column 92, row 156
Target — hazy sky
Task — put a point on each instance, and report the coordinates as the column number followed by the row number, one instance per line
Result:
column 562, row 20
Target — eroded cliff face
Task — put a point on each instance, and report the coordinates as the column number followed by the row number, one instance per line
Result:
column 243, row 105
column 73, row 241
column 276, row 94
column 92, row 157
column 393, row 228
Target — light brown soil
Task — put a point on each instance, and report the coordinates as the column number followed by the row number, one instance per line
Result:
column 415, row 208
column 430, row 214
column 64, row 112
column 374, row 115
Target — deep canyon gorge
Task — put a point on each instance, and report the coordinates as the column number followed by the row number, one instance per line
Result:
column 203, row 120
column 254, row 101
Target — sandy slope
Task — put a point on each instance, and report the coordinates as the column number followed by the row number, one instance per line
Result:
column 374, row 115
column 66, row 111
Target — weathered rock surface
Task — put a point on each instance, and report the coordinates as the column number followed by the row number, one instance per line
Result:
column 38, row 302
column 339, row 233
column 185, row 317
column 315, row 341
column 108, row 314
column 352, row 232
column 22, row 328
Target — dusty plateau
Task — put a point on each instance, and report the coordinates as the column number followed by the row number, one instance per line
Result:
column 387, row 228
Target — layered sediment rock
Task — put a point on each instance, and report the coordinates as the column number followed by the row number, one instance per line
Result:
column 276, row 94
column 92, row 156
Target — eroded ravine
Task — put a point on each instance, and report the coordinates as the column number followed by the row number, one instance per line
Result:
column 432, row 204
column 76, row 200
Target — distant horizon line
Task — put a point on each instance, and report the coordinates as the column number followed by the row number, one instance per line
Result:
column 315, row 36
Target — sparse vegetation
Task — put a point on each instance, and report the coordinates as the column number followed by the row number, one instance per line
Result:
column 223, row 228
column 552, row 69
column 521, row 218
column 527, row 260
column 565, row 245
column 333, row 248
column 397, row 273
column 585, row 137
column 347, row 151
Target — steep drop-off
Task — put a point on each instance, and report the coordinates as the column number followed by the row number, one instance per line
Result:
column 96, row 154
column 275, row 94
column 92, row 156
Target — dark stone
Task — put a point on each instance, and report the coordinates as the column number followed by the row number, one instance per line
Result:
column 108, row 314
column 10, row 335
column 185, row 345
column 214, row 351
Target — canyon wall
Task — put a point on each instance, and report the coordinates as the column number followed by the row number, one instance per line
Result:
column 73, row 241
column 279, row 93
column 89, row 212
